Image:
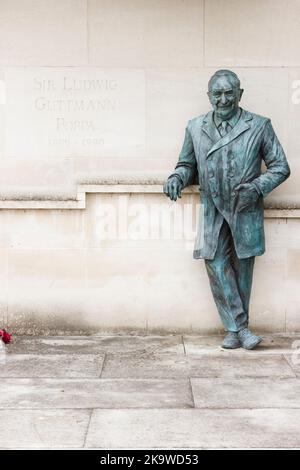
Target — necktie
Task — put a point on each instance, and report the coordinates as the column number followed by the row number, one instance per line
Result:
column 224, row 128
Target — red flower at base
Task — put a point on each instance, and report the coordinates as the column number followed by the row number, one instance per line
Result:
column 6, row 337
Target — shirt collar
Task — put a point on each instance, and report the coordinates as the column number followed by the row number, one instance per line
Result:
column 232, row 121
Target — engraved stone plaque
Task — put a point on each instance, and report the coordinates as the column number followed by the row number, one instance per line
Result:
column 69, row 112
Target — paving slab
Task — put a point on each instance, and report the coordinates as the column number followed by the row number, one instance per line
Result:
column 94, row 393
column 246, row 393
column 200, row 429
column 116, row 344
column 271, row 344
column 34, row 429
column 50, row 365
column 209, row 365
column 294, row 361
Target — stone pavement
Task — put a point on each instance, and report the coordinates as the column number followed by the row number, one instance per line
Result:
column 134, row 392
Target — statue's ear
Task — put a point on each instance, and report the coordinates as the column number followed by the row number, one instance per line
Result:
column 241, row 93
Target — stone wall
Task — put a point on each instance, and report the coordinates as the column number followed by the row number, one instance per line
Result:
column 118, row 258
column 90, row 88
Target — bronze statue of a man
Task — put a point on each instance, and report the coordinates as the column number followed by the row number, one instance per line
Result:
column 224, row 149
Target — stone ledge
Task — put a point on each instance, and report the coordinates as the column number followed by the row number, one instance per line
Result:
column 149, row 185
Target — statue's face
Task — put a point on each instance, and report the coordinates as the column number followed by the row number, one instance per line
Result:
column 224, row 97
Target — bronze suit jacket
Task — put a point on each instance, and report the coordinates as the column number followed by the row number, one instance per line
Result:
column 221, row 163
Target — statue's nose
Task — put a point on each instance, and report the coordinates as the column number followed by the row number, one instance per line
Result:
column 223, row 98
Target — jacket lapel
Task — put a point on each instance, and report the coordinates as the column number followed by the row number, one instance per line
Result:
column 210, row 128
column 242, row 125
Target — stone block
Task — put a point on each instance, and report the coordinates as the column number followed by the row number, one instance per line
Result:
column 194, row 429
column 34, row 32
column 264, row 35
column 134, row 33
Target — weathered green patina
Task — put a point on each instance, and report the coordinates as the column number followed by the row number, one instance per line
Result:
column 224, row 150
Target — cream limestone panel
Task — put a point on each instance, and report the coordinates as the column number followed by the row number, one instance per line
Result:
column 289, row 239
column 182, row 295
column 266, row 92
column 293, row 294
column 139, row 33
column 117, row 282
column 260, row 33
column 42, row 32
column 4, row 285
column 45, row 229
column 173, row 97
column 267, row 308
column 293, row 318
column 294, row 115
column 46, row 290
column 293, row 267
column 46, row 268
column 21, row 175
column 74, row 112
column 72, row 290
column 117, row 308
column 64, row 273
column 2, row 109
column 2, row 87
column 292, row 185
column 142, row 258
column 92, row 167
column 158, row 285
column 279, row 235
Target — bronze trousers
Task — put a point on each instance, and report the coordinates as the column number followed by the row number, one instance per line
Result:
column 230, row 281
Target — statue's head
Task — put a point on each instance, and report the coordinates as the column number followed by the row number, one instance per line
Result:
column 224, row 92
